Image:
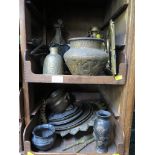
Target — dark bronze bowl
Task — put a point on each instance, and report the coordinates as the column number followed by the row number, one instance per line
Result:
column 43, row 136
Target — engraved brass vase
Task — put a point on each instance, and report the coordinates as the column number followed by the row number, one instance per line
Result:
column 86, row 56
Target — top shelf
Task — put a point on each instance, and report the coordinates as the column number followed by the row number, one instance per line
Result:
column 31, row 77
column 78, row 27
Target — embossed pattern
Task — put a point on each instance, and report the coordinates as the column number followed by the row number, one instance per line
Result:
column 103, row 131
column 86, row 56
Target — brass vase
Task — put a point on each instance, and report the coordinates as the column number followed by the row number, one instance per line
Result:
column 86, row 56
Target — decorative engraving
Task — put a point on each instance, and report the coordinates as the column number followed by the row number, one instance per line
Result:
column 85, row 67
column 86, row 57
column 103, row 130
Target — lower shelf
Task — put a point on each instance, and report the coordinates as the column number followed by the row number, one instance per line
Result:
column 116, row 147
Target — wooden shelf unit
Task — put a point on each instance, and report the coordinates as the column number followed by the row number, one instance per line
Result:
column 119, row 95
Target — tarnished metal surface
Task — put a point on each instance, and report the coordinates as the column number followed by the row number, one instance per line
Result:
column 112, row 46
column 53, row 63
column 58, row 101
column 70, row 111
column 68, row 120
column 103, row 131
column 79, row 120
column 87, row 112
column 84, row 141
column 43, row 136
column 58, row 39
column 82, row 127
column 86, row 56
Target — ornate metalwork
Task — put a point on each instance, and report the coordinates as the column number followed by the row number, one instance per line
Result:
column 82, row 127
column 103, row 130
column 74, row 120
column 86, row 56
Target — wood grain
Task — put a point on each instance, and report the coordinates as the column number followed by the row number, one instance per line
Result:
column 121, row 98
column 129, row 90
column 21, row 120
column 23, row 49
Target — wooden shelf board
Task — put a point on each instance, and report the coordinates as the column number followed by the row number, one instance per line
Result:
column 29, row 76
column 116, row 147
column 89, row 149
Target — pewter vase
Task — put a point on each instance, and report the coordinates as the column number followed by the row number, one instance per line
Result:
column 53, row 63
column 103, row 131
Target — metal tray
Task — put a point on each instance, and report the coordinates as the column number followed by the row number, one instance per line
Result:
column 68, row 120
column 69, row 112
column 87, row 113
column 83, row 127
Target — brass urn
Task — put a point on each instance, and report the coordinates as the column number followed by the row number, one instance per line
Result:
column 86, row 56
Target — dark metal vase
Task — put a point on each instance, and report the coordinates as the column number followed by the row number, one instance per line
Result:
column 103, row 131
